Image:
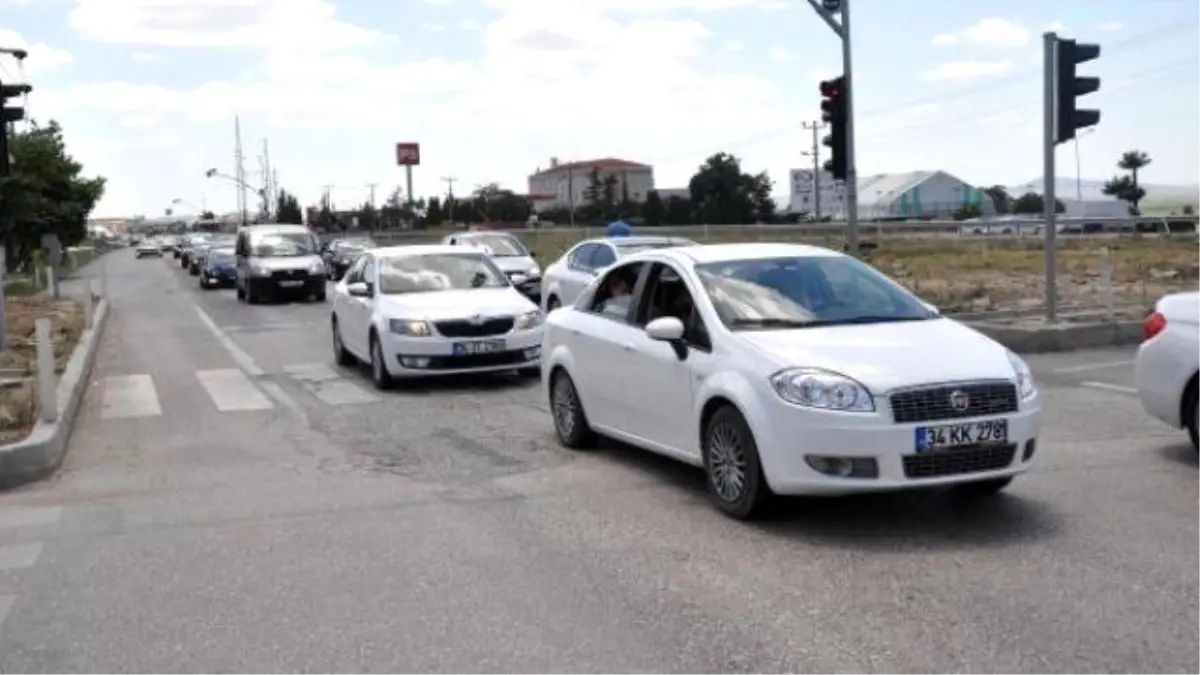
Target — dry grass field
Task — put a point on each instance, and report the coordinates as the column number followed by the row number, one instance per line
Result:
column 18, row 396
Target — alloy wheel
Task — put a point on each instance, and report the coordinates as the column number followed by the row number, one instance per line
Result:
column 727, row 462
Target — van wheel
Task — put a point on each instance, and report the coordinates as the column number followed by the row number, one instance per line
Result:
column 241, row 294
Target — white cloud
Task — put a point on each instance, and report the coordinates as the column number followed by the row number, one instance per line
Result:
column 821, row 75
column 1111, row 26
column 639, row 6
column 782, row 54
column 1056, row 27
column 433, row 27
column 470, row 25
column 991, row 32
column 293, row 24
column 1010, row 118
column 42, row 57
column 958, row 71
column 735, row 46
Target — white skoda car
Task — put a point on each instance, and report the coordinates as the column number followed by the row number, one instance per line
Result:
column 787, row 369
column 1169, row 360
column 412, row 311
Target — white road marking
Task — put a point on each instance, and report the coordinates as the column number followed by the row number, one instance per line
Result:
column 235, row 352
column 323, row 382
column 231, row 390
column 20, row 556
column 129, row 396
column 1120, row 389
column 1083, row 368
column 6, row 603
column 282, row 397
column 27, row 516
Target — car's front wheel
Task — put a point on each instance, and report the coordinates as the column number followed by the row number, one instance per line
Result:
column 380, row 376
column 731, row 465
column 341, row 355
column 552, row 304
column 570, row 422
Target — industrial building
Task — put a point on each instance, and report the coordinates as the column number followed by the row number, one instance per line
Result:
column 566, row 185
column 916, row 194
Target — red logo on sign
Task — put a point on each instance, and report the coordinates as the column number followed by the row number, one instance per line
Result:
column 408, row 154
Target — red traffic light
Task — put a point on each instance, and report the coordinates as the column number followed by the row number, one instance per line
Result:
column 833, row 88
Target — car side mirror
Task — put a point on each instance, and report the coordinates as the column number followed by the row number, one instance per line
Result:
column 668, row 329
column 359, row 289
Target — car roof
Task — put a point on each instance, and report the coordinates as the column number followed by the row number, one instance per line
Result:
column 638, row 240
column 711, row 253
column 275, row 229
column 422, row 249
column 483, row 233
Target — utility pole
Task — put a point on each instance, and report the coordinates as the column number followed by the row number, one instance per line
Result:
column 449, row 180
column 826, row 9
column 571, row 190
column 268, row 185
column 372, row 186
column 816, row 158
column 240, row 168
column 8, row 116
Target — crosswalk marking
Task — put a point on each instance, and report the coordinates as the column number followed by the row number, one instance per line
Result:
column 231, row 390
column 28, row 516
column 128, row 396
column 19, row 556
column 323, row 382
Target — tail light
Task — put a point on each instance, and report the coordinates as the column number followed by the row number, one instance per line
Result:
column 1155, row 324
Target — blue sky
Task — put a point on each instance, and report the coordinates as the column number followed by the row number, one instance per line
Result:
column 147, row 91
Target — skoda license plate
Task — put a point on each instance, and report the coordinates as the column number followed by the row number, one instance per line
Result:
column 291, row 284
column 478, row 347
column 991, row 432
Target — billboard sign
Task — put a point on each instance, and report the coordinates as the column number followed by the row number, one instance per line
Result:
column 408, row 154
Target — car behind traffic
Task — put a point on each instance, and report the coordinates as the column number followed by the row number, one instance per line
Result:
column 1168, row 362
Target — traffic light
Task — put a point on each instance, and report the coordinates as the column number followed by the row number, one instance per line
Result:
column 1068, row 88
column 833, row 114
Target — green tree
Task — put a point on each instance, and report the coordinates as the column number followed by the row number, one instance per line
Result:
column 46, row 193
column 368, row 216
column 1127, row 188
column 495, row 204
column 391, row 215
column 434, row 214
column 679, row 211
column 654, row 211
column 1031, row 203
column 1001, row 200
column 721, row 194
column 287, row 209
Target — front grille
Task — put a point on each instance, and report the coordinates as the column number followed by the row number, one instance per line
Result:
column 476, row 360
column 955, row 462
column 289, row 274
column 926, row 405
column 494, row 326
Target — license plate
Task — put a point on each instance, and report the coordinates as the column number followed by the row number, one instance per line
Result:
column 291, row 284
column 931, row 439
column 480, row 347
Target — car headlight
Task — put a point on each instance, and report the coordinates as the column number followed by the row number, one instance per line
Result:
column 260, row 271
column 410, row 328
column 534, row 271
column 822, row 389
column 317, row 267
column 529, row 320
column 1025, row 385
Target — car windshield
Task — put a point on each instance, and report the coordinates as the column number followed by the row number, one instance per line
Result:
column 221, row 256
column 629, row 248
column 799, row 292
column 282, row 245
column 438, row 272
column 354, row 247
column 498, row 245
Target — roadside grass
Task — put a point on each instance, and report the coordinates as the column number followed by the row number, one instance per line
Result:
column 18, row 363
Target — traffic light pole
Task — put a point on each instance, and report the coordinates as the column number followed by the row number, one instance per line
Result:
column 826, row 9
column 1049, row 196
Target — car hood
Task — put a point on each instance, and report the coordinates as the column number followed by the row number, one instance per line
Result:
column 294, row 262
column 441, row 305
column 889, row 355
column 510, row 264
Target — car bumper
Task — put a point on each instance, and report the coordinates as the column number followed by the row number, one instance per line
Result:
column 428, row 357
column 1160, row 380
column 883, row 454
column 222, row 277
column 295, row 285
column 148, row 251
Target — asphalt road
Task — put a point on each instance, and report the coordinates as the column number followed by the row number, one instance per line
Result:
column 232, row 502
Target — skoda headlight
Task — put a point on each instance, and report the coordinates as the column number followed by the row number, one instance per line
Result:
column 316, row 268
column 822, row 389
column 1025, row 386
column 534, row 271
column 410, row 328
column 529, row 320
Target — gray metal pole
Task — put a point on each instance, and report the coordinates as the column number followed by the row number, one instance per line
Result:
column 851, row 162
column 816, row 171
column 1050, row 43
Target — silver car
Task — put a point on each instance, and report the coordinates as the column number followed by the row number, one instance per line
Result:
column 509, row 254
column 564, row 279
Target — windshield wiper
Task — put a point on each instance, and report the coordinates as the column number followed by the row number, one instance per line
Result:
column 771, row 323
column 818, row 323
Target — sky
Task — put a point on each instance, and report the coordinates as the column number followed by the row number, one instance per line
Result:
column 147, row 90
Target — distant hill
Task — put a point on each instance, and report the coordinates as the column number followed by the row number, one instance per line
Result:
column 1065, row 188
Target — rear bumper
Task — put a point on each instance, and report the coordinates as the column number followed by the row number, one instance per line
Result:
column 291, row 286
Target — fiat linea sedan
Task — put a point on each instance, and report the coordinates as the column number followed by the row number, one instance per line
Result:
column 787, row 369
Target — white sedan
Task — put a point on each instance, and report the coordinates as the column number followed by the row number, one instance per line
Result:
column 1168, row 362
column 566, row 277
column 412, row 311
column 787, row 369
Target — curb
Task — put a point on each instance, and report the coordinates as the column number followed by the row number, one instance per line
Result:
column 1064, row 337
column 40, row 454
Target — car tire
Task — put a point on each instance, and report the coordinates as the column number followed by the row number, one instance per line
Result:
column 319, row 297
column 251, row 296
column 340, row 354
column 380, row 376
column 204, row 283
column 241, row 292
column 552, row 304
column 1190, row 420
column 530, row 371
column 981, row 489
column 570, row 421
column 733, row 472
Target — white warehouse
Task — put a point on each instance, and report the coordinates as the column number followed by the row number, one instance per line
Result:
column 918, row 194
column 567, row 184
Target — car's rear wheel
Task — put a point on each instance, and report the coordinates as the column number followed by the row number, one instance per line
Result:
column 341, row 355
column 570, row 422
column 1190, row 416
column 731, row 465
column 553, row 303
